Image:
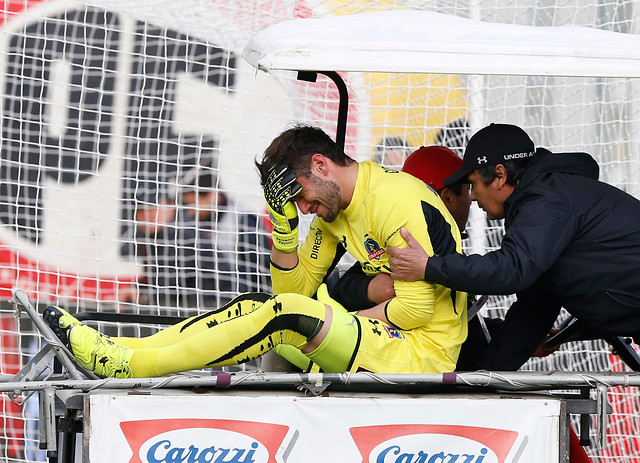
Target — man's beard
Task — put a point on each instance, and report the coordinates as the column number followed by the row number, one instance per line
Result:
column 329, row 197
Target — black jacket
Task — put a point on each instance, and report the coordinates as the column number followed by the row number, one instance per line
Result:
column 570, row 241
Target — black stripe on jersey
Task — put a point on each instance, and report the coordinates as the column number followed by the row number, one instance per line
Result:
column 280, row 268
column 386, row 314
column 442, row 239
column 257, row 297
column 281, row 322
column 441, row 236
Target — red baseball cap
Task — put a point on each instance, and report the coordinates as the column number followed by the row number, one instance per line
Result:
column 432, row 164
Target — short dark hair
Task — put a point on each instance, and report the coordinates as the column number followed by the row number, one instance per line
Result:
column 294, row 148
column 456, row 187
column 514, row 169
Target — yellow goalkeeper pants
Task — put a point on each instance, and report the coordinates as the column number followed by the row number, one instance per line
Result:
column 243, row 330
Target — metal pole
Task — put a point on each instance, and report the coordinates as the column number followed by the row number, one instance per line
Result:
column 61, row 351
column 513, row 381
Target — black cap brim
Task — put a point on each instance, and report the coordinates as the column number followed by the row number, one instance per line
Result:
column 457, row 176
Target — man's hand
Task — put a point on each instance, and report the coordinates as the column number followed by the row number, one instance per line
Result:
column 408, row 263
column 547, row 349
column 279, row 188
column 380, row 288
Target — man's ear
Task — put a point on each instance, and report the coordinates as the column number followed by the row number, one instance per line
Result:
column 319, row 165
column 501, row 174
column 446, row 195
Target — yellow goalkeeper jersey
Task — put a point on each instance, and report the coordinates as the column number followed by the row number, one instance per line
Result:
column 431, row 316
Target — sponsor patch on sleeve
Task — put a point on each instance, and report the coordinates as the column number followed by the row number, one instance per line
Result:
column 393, row 332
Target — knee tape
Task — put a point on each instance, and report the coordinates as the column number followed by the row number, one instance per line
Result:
column 336, row 350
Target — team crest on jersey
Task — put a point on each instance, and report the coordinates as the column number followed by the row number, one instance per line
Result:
column 393, row 332
column 373, row 248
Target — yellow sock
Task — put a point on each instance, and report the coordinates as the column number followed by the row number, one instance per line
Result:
column 287, row 318
column 241, row 305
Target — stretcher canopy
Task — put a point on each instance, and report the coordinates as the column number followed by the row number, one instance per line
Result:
column 428, row 42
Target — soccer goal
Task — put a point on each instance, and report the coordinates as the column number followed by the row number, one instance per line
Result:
column 130, row 130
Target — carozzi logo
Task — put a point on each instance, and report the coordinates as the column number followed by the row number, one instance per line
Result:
column 422, row 443
column 203, row 440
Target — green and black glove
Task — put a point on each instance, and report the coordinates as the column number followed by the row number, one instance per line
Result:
column 279, row 188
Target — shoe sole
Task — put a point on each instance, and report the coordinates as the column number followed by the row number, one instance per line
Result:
column 51, row 317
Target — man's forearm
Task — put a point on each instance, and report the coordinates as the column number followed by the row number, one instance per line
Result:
column 476, row 274
column 284, row 261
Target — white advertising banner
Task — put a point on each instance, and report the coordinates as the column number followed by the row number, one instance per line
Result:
column 255, row 427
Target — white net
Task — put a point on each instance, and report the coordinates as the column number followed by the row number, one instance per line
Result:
column 130, row 128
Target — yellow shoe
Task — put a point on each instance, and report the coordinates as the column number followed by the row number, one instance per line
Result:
column 98, row 353
column 91, row 349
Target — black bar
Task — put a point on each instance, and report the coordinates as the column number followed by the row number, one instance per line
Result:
column 343, row 108
column 128, row 318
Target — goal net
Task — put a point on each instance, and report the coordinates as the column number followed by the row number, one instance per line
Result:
column 130, row 130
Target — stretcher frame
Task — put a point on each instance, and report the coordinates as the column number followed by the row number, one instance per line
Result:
column 62, row 389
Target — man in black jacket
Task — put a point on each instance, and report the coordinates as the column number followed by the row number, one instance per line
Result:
column 571, row 241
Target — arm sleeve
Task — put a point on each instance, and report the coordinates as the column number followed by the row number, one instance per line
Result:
column 351, row 289
column 415, row 302
column 526, row 324
column 317, row 256
column 541, row 230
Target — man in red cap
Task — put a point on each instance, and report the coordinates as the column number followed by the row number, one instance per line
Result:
column 433, row 164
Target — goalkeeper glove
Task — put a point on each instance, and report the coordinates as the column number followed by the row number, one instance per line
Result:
column 279, row 188
column 322, row 295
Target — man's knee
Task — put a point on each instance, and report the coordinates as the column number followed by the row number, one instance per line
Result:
column 298, row 313
column 337, row 350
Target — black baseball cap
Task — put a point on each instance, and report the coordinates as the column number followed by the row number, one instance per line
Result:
column 493, row 145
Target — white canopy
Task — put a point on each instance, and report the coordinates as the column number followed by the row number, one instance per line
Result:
column 427, row 42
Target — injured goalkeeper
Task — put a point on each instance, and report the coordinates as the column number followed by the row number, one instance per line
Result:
column 360, row 208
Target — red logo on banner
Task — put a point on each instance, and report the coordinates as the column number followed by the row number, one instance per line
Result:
column 424, row 442
column 177, row 440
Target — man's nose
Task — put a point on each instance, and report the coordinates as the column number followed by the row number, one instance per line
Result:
column 303, row 206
